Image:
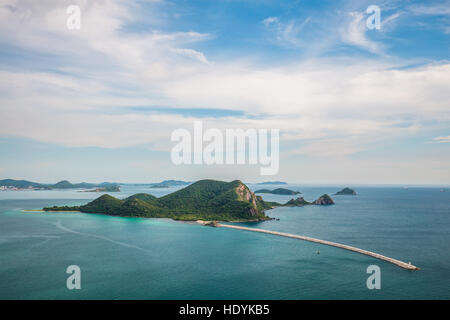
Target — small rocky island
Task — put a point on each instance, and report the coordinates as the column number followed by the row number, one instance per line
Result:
column 280, row 191
column 346, row 192
column 299, row 202
column 323, row 200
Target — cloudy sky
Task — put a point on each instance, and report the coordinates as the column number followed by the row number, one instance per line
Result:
column 353, row 104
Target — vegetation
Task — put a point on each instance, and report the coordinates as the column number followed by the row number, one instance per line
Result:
column 297, row 202
column 281, row 191
column 323, row 200
column 267, row 204
column 63, row 208
column 23, row 184
column 63, row 185
column 202, row 200
column 142, row 196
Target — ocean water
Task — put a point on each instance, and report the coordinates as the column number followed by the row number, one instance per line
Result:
column 138, row 258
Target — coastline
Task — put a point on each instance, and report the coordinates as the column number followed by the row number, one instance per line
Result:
column 40, row 210
column 171, row 218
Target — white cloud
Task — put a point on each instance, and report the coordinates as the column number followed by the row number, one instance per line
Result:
column 101, row 41
column 288, row 33
column 333, row 106
column 441, row 9
column 389, row 19
column 320, row 102
column 442, row 139
column 270, row 20
column 355, row 34
column 192, row 54
column 347, row 28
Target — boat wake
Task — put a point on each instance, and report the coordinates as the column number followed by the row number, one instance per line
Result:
column 60, row 226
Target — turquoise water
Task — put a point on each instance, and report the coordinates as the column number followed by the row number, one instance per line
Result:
column 135, row 258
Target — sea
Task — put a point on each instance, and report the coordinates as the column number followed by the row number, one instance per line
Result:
column 141, row 258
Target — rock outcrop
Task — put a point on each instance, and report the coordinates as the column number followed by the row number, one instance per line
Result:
column 324, row 200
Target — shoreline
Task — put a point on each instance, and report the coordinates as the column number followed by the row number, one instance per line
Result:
column 40, row 210
column 177, row 220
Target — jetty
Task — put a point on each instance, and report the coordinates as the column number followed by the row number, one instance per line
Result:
column 399, row 263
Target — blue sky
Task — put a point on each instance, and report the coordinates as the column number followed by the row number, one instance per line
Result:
column 353, row 105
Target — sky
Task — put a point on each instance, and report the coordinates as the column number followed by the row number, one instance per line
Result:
column 354, row 105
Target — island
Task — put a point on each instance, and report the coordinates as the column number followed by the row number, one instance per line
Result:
column 323, row 200
column 281, row 191
column 272, row 182
column 209, row 200
column 112, row 188
column 202, row 200
column 346, row 192
column 17, row 185
column 299, row 202
column 169, row 183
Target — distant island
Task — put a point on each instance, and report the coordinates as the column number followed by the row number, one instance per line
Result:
column 272, row 182
column 11, row 184
column 104, row 189
column 281, row 191
column 169, row 183
column 202, row 200
column 346, row 192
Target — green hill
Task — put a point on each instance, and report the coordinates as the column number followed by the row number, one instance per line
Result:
column 103, row 204
column 63, row 185
column 204, row 199
column 143, row 196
